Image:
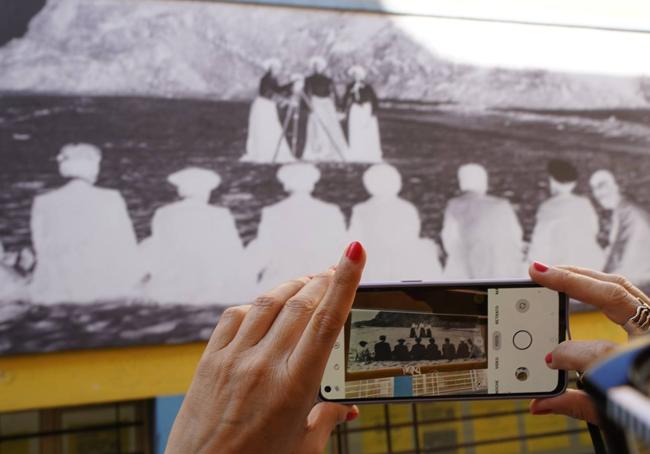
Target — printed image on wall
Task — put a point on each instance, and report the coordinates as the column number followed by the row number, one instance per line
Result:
column 160, row 161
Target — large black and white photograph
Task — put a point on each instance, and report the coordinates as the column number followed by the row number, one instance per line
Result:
column 412, row 342
column 160, row 162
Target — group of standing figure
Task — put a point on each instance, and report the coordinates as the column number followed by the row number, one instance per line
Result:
column 312, row 119
column 418, row 351
column 85, row 247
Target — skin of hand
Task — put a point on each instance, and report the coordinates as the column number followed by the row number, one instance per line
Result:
column 615, row 297
column 258, row 379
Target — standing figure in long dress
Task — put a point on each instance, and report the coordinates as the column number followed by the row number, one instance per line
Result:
column 361, row 104
column 325, row 139
column 629, row 238
column 298, row 235
column 566, row 228
column 266, row 142
column 195, row 254
column 481, row 233
column 389, row 227
column 85, row 245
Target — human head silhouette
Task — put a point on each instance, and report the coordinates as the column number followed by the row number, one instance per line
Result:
column 318, row 64
column 80, row 161
column 382, row 338
column 195, row 182
column 382, row 180
column 357, row 72
column 299, row 178
column 473, row 178
column 563, row 176
column 273, row 65
column 605, row 189
column 418, row 340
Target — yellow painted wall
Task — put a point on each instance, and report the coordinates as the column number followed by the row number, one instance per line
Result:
column 75, row 378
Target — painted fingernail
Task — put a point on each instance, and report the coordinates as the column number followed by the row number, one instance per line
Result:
column 548, row 358
column 542, row 412
column 354, row 251
column 540, row 267
column 351, row 416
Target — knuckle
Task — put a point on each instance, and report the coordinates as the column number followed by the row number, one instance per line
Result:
column 603, row 348
column 344, row 280
column 616, row 293
column 266, row 302
column 326, row 324
column 301, row 304
column 232, row 313
column 622, row 281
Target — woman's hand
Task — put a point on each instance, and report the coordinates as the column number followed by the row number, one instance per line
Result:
column 616, row 297
column 256, row 384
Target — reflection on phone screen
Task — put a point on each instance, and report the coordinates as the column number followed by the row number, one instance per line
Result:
column 429, row 342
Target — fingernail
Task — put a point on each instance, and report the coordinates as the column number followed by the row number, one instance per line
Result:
column 540, row 267
column 354, row 251
column 351, row 416
column 548, row 358
column 542, row 412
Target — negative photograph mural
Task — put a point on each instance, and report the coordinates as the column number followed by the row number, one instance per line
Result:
column 162, row 160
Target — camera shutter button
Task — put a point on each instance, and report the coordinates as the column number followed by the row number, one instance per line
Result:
column 522, row 339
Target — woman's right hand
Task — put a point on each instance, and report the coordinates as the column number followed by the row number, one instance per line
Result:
column 616, row 298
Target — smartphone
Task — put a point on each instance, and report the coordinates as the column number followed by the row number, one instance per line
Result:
column 447, row 341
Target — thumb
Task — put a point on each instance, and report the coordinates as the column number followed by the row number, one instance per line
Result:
column 321, row 421
column 573, row 403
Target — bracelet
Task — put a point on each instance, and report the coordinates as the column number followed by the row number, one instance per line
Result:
column 639, row 323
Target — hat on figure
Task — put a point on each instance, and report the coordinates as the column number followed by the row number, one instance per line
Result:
column 358, row 72
column 299, row 177
column 318, row 63
column 80, row 160
column 272, row 64
column 194, row 181
column 473, row 177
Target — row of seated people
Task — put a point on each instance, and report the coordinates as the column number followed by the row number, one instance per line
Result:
column 86, row 249
column 418, row 352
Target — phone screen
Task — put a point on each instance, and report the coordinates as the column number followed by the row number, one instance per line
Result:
column 439, row 341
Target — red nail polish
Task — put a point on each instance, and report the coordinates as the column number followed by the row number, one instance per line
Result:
column 354, row 251
column 548, row 358
column 540, row 267
column 351, row 416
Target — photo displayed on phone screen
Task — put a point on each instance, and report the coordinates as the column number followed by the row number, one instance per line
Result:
column 441, row 341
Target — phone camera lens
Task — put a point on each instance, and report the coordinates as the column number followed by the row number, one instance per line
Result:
column 521, row 373
column 328, row 389
column 523, row 305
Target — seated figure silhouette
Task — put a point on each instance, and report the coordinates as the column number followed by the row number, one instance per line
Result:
column 433, row 352
column 401, row 351
column 299, row 234
column 448, row 350
column 382, row 349
column 389, row 227
column 418, row 350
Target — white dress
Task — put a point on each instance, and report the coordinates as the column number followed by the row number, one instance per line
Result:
column 86, row 249
column 483, row 238
column 389, row 229
column 195, row 256
column 297, row 236
column 565, row 233
column 363, row 131
column 266, row 142
column 325, row 140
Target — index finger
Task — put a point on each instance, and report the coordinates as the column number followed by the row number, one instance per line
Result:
column 315, row 345
column 612, row 298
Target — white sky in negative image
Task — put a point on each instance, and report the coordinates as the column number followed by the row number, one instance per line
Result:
column 520, row 46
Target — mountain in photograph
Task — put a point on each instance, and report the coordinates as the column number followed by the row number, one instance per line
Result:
column 183, row 49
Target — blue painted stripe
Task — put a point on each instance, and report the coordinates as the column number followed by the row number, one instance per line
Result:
column 403, row 386
column 165, row 411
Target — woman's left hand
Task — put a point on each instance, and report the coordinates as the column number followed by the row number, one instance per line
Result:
column 615, row 297
column 256, row 384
